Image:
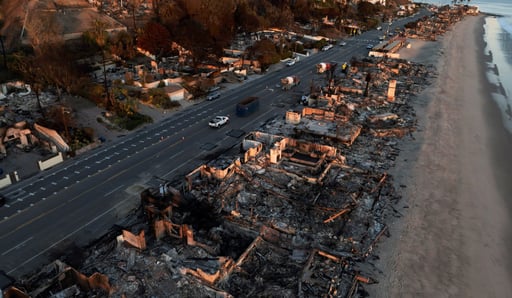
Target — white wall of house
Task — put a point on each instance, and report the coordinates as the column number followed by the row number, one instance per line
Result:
column 383, row 2
column 177, row 95
column 167, row 82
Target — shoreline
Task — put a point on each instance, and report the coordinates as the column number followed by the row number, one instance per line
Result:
column 454, row 236
column 500, row 139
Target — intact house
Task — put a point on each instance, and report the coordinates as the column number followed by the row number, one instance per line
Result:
column 172, row 88
column 176, row 92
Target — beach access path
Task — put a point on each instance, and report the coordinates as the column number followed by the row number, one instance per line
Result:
column 454, row 238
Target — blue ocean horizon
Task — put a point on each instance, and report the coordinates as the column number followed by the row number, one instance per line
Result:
column 498, row 39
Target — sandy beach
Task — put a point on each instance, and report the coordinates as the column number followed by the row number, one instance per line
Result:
column 454, row 238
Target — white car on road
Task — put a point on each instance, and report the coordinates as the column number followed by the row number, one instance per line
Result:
column 213, row 95
column 290, row 62
column 327, row 47
column 218, row 121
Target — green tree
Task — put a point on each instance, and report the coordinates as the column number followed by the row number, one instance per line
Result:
column 266, row 53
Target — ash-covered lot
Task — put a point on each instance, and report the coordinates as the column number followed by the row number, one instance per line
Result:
column 296, row 208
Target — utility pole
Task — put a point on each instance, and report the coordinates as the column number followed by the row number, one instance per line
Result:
column 64, row 115
column 3, row 50
column 367, row 79
column 105, row 82
column 24, row 22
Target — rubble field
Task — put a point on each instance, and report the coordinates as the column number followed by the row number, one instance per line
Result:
column 296, row 209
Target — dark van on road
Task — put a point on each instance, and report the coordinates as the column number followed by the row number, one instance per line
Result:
column 247, row 106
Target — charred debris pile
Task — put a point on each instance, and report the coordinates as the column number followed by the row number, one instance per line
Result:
column 294, row 211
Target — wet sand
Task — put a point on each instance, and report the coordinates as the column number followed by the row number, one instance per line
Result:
column 454, row 238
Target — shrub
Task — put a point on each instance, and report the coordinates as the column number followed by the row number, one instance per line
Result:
column 133, row 121
column 320, row 43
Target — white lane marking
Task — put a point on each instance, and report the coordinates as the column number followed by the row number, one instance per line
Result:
column 181, row 165
column 15, row 247
column 113, row 190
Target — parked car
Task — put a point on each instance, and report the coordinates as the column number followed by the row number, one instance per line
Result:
column 214, row 88
column 369, row 46
column 218, row 121
column 213, row 95
column 343, row 43
column 327, row 47
column 290, row 63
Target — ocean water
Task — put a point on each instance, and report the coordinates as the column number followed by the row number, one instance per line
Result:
column 498, row 37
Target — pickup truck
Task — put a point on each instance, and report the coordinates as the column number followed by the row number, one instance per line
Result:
column 218, row 121
column 327, row 47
